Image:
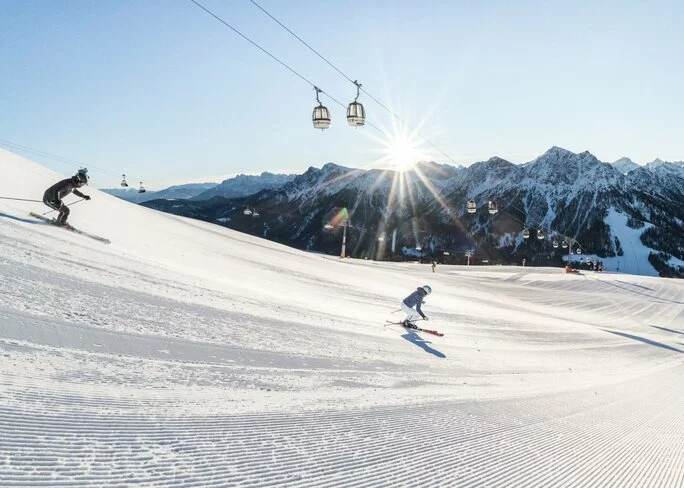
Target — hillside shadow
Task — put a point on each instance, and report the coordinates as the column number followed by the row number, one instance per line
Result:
column 644, row 340
column 414, row 338
column 634, row 284
column 660, row 299
column 668, row 330
column 19, row 219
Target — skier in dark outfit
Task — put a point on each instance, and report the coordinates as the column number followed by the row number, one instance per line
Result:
column 415, row 299
column 53, row 195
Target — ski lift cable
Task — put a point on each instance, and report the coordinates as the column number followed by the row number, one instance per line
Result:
column 302, row 41
column 265, row 51
column 546, row 229
column 348, row 78
column 279, row 61
column 253, row 43
column 22, row 148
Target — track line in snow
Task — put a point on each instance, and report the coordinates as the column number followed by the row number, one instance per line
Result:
column 548, row 441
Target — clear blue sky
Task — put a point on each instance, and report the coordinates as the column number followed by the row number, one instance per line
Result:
column 162, row 91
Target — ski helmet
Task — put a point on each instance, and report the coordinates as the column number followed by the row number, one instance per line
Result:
column 82, row 176
column 427, row 289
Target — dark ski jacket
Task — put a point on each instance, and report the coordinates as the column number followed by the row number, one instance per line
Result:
column 63, row 188
column 415, row 299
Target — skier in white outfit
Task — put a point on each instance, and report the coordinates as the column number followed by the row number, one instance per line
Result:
column 415, row 299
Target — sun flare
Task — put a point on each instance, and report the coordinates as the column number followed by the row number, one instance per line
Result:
column 402, row 153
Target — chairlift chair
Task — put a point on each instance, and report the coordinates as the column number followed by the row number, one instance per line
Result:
column 142, row 188
column 493, row 207
column 255, row 214
column 564, row 245
column 555, row 244
column 247, row 211
column 123, row 182
column 321, row 115
column 526, row 233
column 540, row 234
column 579, row 250
column 356, row 115
column 471, row 206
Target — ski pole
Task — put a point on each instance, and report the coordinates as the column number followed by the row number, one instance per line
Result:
column 20, row 199
column 68, row 205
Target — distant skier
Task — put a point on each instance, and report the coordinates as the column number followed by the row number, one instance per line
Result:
column 415, row 299
column 53, row 196
column 434, row 265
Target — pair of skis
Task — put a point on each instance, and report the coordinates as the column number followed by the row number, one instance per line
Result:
column 69, row 227
column 415, row 327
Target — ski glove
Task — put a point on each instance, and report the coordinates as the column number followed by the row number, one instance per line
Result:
column 86, row 197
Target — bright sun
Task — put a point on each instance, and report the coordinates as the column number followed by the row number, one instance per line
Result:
column 402, row 152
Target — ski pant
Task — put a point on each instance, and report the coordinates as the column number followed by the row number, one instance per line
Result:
column 57, row 204
column 411, row 314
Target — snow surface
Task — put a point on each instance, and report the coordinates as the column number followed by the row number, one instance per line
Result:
column 187, row 354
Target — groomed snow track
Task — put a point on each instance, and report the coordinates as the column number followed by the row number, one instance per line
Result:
column 579, row 439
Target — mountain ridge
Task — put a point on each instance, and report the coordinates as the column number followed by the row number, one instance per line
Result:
column 567, row 195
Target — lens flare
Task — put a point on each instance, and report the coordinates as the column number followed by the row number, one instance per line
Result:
column 401, row 152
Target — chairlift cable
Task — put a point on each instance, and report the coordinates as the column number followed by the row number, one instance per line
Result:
column 548, row 229
column 20, row 147
column 301, row 40
column 13, row 146
column 282, row 63
column 348, row 79
column 250, row 41
column 21, row 199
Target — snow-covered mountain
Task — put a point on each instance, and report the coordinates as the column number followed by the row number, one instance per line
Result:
column 235, row 187
column 631, row 221
column 624, row 165
column 244, row 185
column 674, row 169
column 185, row 192
column 130, row 194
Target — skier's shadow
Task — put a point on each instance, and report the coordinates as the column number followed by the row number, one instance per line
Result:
column 19, row 219
column 414, row 338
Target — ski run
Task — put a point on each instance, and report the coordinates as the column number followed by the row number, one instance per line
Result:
column 184, row 354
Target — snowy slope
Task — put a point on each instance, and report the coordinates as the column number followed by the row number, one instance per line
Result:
column 186, row 354
column 636, row 254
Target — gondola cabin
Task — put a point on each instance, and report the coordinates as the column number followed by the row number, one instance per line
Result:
column 471, row 206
